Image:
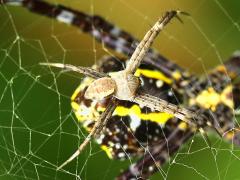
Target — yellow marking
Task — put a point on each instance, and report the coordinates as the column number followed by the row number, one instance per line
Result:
column 210, row 98
column 76, row 93
column 176, row 75
column 100, row 109
column 221, row 68
column 77, row 109
column 75, row 106
column 153, row 74
column 182, row 125
column 108, row 151
column 229, row 135
column 158, row 117
column 225, row 97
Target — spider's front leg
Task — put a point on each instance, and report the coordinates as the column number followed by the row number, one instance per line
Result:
column 144, row 46
column 79, row 69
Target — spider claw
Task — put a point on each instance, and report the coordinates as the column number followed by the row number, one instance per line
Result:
column 69, row 160
column 178, row 18
column 178, row 12
column 184, row 13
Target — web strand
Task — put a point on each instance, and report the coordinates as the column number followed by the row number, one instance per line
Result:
column 27, row 134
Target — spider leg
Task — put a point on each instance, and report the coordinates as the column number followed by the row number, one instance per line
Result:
column 102, row 30
column 222, row 81
column 98, row 126
column 155, row 103
column 144, row 45
column 79, row 69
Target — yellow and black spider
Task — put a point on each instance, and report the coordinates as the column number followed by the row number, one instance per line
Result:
column 132, row 128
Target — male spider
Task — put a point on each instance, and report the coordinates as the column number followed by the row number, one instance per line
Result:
column 166, row 133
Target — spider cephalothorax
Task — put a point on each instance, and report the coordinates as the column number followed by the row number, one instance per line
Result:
column 120, row 84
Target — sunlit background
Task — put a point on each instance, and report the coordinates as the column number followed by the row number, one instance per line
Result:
column 38, row 129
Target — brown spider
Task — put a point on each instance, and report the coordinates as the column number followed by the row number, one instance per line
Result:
column 123, row 85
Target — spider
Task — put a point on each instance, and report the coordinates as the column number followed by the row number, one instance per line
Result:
column 117, row 117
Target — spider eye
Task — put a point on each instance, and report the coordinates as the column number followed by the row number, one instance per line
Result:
column 100, row 88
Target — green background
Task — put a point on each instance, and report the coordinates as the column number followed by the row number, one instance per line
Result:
column 39, row 131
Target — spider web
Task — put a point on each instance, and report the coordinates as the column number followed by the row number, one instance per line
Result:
column 38, row 128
